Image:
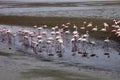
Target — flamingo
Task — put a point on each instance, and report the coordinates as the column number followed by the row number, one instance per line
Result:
column 95, row 28
column 44, row 38
column 116, row 26
column 116, row 22
column 82, row 28
column 67, row 36
column 117, row 32
column 58, row 33
column 86, row 35
column 66, row 28
column 74, row 45
column 75, row 27
column 93, row 43
column 68, row 23
column 53, row 33
column 79, row 44
column 9, row 36
column 49, row 48
column 32, row 35
column 56, row 28
column 84, row 46
column 3, row 34
column 52, row 41
column 39, row 30
column 106, row 44
column 60, row 48
column 39, row 37
column 114, row 31
column 26, row 42
column 85, row 23
column 35, row 47
column 45, row 28
column 40, row 45
column 105, row 24
column 89, row 24
column 75, row 33
column 35, row 27
column 103, row 29
column 44, row 34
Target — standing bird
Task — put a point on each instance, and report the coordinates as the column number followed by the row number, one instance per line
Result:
column 32, row 35
column 39, row 30
column 106, row 45
column 103, row 29
column 74, row 45
column 105, row 24
column 90, row 24
column 49, row 48
column 26, row 43
column 86, row 35
column 9, row 36
column 95, row 29
column 84, row 42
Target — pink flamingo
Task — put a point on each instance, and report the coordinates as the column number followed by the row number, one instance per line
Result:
column 26, row 42
column 3, row 34
column 60, row 48
column 49, row 48
column 74, row 45
column 106, row 45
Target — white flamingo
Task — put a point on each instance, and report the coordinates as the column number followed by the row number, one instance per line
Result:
column 39, row 30
column 95, row 28
column 74, row 45
column 90, row 24
column 103, row 29
column 106, row 43
column 86, row 35
column 9, row 36
column 60, row 48
column 105, row 24
column 26, row 43
column 3, row 34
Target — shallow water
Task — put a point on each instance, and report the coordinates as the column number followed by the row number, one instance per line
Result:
column 102, row 61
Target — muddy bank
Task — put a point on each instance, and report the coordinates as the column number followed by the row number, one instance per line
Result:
column 51, row 21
